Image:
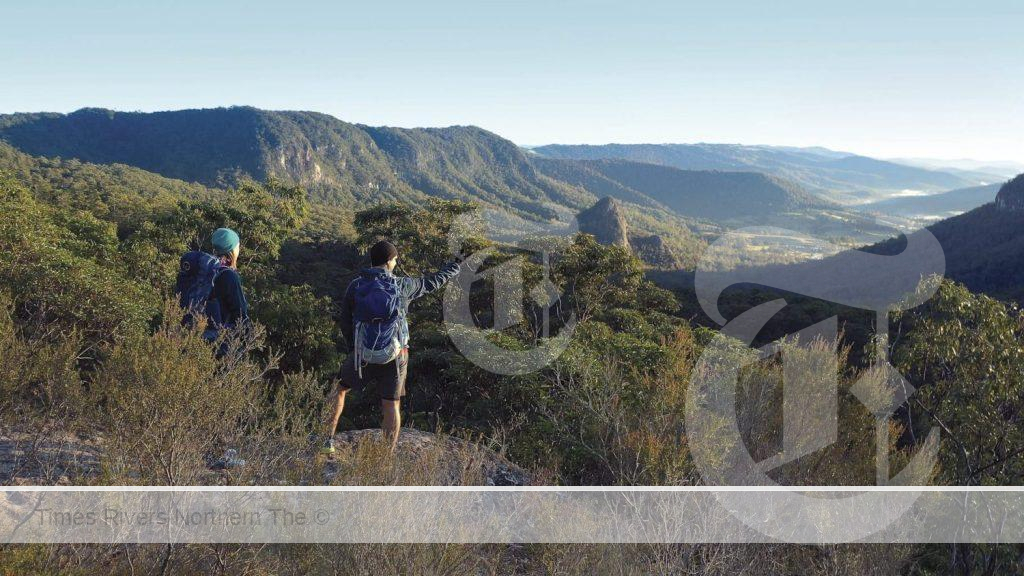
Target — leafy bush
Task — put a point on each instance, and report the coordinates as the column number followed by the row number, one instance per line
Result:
column 963, row 352
column 64, row 267
column 300, row 328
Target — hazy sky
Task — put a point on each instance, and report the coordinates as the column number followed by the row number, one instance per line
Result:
column 894, row 78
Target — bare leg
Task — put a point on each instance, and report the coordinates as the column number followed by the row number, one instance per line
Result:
column 392, row 421
column 339, row 406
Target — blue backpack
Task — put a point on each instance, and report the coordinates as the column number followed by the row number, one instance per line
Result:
column 196, row 274
column 380, row 329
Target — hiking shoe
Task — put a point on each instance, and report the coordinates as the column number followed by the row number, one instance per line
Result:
column 328, row 447
column 229, row 460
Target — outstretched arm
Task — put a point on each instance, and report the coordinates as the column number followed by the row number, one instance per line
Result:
column 414, row 288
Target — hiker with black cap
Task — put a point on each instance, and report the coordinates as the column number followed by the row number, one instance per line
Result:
column 373, row 320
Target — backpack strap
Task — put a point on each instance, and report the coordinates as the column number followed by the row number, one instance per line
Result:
column 359, row 348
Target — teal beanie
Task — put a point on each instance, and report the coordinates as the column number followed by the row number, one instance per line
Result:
column 224, row 240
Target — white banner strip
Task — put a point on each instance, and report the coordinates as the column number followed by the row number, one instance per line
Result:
column 538, row 514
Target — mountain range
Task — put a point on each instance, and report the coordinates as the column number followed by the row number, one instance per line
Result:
column 735, row 195
column 835, row 175
column 984, row 168
column 729, row 199
column 338, row 162
column 932, row 207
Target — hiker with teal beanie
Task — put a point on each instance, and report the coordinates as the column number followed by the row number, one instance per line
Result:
column 227, row 307
column 211, row 283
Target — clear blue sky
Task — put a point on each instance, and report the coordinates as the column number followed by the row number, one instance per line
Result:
column 895, row 78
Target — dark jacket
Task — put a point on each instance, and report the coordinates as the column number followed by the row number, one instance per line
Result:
column 411, row 289
column 227, row 307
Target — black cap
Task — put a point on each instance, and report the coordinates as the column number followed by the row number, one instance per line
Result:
column 381, row 252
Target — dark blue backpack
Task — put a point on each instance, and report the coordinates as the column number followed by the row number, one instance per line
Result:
column 380, row 329
column 196, row 274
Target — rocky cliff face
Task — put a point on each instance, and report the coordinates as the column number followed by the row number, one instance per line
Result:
column 606, row 222
column 1011, row 195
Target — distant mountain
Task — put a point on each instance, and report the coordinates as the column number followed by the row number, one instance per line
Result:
column 215, row 146
column 126, row 195
column 730, row 199
column 836, row 175
column 588, row 175
column 813, row 150
column 714, row 195
column 1005, row 170
column 472, row 164
column 984, row 248
column 338, row 162
column 993, row 169
column 932, row 207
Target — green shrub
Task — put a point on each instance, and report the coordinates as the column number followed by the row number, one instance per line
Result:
column 62, row 267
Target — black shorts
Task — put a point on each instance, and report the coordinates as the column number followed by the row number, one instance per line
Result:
column 389, row 378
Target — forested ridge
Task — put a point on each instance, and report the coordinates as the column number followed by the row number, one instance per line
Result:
column 340, row 163
column 835, row 174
